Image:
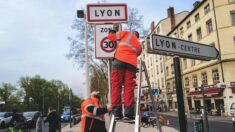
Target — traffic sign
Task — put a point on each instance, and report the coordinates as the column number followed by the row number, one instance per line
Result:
column 155, row 91
column 103, row 47
column 176, row 47
column 107, row 13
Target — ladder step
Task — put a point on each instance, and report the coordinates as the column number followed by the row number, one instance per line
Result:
column 144, row 86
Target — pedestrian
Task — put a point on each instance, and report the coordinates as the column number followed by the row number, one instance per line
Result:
column 53, row 119
column 93, row 114
column 124, row 68
column 39, row 124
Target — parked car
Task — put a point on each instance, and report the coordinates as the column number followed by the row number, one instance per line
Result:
column 31, row 117
column 5, row 119
column 232, row 109
column 65, row 117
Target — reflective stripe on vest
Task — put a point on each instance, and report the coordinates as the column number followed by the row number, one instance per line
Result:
column 95, row 117
column 127, row 43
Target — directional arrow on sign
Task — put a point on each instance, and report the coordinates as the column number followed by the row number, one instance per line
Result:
column 176, row 47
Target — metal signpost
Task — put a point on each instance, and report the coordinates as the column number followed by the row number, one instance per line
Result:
column 104, row 16
column 180, row 48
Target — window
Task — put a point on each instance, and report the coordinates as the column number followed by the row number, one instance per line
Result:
column 197, row 17
column 173, row 85
column 209, row 26
column 233, row 17
column 195, row 81
column 161, row 67
column 199, row 34
column 188, row 24
column 160, row 57
column 185, row 63
column 190, row 37
column 215, row 75
column 181, row 31
column 167, row 71
column 207, row 8
column 157, row 70
column 172, row 69
column 162, row 83
column 151, row 61
column 168, row 86
column 186, row 81
column 193, row 62
column 204, row 78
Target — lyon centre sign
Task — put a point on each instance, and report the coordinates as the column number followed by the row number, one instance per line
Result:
column 107, row 13
column 177, row 47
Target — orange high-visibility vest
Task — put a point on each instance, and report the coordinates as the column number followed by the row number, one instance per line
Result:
column 85, row 113
column 128, row 48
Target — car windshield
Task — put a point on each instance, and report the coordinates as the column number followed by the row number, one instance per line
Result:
column 233, row 106
column 28, row 114
column 2, row 114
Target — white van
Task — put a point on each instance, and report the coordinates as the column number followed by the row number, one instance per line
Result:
column 232, row 109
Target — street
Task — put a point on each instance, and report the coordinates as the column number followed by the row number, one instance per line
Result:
column 214, row 126
column 45, row 128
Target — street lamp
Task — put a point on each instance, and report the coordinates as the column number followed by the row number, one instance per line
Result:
column 233, row 119
column 81, row 14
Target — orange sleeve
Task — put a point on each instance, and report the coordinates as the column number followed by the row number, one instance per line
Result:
column 117, row 36
column 112, row 36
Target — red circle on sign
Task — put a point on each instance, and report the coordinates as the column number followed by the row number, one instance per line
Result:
column 104, row 48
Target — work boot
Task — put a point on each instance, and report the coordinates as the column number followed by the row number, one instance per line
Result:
column 129, row 113
column 117, row 112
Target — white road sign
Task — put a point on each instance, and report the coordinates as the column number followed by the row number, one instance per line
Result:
column 103, row 47
column 106, row 13
column 172, row 46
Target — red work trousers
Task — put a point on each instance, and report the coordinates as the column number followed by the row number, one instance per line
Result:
column 126, row 78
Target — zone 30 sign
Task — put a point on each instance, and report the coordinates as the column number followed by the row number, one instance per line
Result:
column 103, row 47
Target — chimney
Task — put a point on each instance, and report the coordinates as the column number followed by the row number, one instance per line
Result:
column 152, row 26
column 195, row 4
column 171, row 15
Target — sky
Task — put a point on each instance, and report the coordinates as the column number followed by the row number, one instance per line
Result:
column 33, row 36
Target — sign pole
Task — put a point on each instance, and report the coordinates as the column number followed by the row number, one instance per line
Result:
column 86, row 60
column 180, row 99
column 109, row 87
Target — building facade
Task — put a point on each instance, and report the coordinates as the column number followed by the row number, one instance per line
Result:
column 212, row 22
column 155, row 63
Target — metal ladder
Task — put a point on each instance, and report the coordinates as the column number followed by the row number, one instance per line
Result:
column 138, row 116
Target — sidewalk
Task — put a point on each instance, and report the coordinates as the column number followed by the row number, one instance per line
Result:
column 198, row 116
column 122, row 127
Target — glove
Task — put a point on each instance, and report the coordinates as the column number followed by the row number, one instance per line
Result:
column 116, row 27
column 112, row 31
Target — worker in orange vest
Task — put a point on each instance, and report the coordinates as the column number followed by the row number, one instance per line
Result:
column 124, row 67
column 93, row 114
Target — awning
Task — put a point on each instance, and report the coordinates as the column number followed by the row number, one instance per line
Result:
column 213, row 92
column 196, row 92
column 209, row 92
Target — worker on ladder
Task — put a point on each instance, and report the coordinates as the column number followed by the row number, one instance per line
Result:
column 124, row 67
column 93, row 115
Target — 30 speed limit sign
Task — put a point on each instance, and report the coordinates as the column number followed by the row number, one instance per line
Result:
column 103, row 47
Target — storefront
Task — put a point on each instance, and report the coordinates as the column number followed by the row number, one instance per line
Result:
column 214, row 101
